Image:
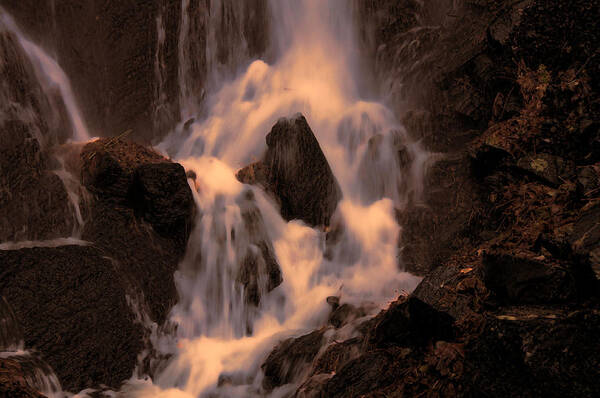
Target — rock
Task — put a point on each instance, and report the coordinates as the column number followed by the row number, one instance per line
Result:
column 135, row 60
column 141, row 215
column 524, row 280
column 295, row 171
column 33, row 201
column 290, row 360
column 161, row 196
column 259, row 272
column 344, row 314
column 13, row 383
column 589, row 178
column 536, row 351
column 551, row 169
column 337, row 355
column 411, row 322
column 362, row 375
column 70, row 302
column 585, row 237
column 449, row 290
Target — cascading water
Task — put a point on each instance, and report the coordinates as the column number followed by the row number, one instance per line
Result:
column 379, row 169
column 58, row 93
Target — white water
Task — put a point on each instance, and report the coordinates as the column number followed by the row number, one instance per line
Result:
column 316, row 73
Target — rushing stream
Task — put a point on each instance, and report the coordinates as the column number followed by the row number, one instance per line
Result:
column 314, row 70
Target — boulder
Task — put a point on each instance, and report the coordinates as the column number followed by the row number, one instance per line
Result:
column 525, row 280
column 71, row 305
column 141, row 215
column 295, row 171
column 411, row 322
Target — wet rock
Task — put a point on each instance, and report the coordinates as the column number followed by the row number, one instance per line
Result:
column 411, row 322
column 13, row 383
column 290, row 360
column 33, row 201
column 344, row 314
column 337, row 355
column 70, row 302
column 526, row 280
column 313, row 387
column 295, row 171
column 140, row 214
column 259, row 272
column 551, row 169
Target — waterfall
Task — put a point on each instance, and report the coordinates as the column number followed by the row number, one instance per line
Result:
column 315, row 71
column 51, row 77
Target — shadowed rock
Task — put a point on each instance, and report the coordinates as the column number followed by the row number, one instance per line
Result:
column 295, row 171
column 33, row 201
column 141, row 214
column 70, row 303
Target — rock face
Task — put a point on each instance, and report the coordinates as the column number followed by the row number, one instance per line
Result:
column 33, row 200
column 71, row 304
column 133, row 48
column 74, row 303
column 295, row 171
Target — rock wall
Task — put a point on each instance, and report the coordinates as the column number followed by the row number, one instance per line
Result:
column 123, row 57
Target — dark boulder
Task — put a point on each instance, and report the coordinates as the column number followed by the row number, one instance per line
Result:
column 411, row 322
column 525, row 280
column 141, row 214
column 291, row 359
column 70, row 303
column 295, row 171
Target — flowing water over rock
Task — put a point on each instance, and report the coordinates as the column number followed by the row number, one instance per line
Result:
column 223, row 336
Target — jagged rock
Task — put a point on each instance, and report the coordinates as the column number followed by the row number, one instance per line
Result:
column 411, row 322
column 13, row 383
column 337, row 355
column 33, row 201
column 70, row 302
column 291, row 359
column 259, row 272
column 296, row 172
column 525, row 280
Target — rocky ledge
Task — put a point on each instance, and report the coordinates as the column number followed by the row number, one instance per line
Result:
column 83, row 306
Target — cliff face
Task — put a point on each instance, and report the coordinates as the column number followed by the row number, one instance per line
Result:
column 123, row 58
